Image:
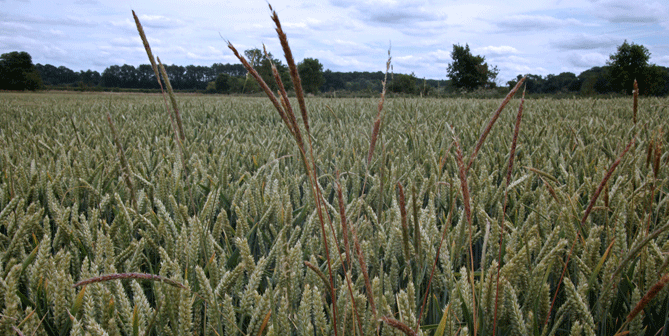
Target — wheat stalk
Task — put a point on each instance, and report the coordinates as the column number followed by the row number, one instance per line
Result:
column 512, row 155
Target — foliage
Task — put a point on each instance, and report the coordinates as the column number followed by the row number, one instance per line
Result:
column 52, row 75
column 311, row 74
column 17, row 72
column 222, row 83
column 630, row 62
column 263, row 64
column 594, row 80
column 470, row 72
column 402, row 83
column 562, row 83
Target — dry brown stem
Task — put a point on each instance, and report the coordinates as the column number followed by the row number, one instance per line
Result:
column 398, row 325
column 652, row 292
column 509, row 171
column 377, row 122
column 344, row 225
column 468, row 212
column 492, row 122
column 297, row 82
column 585, row 217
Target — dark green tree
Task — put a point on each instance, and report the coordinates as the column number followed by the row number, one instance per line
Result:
column 89, row 77
column 402, row 83
column 223, row 83
column 468, row 71
column 594, row 80
column 630, row 62
column 17, row 72
column 262, row 64
column 311, row 74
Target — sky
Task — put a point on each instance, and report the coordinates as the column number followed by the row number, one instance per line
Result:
column 537, row 37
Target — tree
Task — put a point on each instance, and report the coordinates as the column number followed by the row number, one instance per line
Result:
column 468, row 71
column 263, row 66
column 404, row 84
column 89, row 78
column 311, row 74
column 17, row 72
column 564, row 82
column 110, row 77
column 222, row 83
column 630, row 62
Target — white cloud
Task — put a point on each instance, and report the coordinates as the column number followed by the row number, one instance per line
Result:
column 587, row 60
column 159, row 21
column 664, row 60
column 500, row 50
column 440, row 56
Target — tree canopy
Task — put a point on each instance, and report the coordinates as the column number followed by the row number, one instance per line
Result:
column 630, row 62
column 263, row 64
column 311, row 74
column 17, row 72
column 468, row 71
column 401, row 83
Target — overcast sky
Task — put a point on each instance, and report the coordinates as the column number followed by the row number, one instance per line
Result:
column 538, row 37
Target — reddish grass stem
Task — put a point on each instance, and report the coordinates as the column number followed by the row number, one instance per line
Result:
column 509, row 170
column 492, row 121
column 377, row 122
column 468, row 213
column 585, row 217
column 398, row 325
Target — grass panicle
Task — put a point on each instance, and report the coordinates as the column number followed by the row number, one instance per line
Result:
column 376, row 128
column 509, row 171
column 492, row 121
column 398, row 325
column 176, row 126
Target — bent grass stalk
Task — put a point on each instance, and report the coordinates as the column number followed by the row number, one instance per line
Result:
column 509, row 170
column 595, row 196
column 492, row 121
column 638, row 308
column 147, row 47
column 310, row 165
column 468, row 213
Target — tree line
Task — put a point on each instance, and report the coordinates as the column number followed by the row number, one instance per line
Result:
column 466, row 73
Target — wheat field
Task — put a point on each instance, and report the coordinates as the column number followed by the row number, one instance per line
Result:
column 222, row 237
